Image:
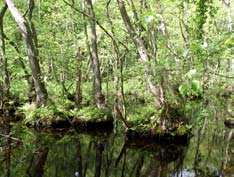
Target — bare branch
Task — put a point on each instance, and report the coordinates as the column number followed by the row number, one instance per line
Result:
column 96, row 21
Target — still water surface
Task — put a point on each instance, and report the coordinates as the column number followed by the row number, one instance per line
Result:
column 29, row 153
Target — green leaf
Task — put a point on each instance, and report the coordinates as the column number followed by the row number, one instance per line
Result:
column 191, row 73
column 195, row 85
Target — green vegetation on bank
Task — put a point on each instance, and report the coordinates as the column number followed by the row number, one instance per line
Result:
column 144, row 63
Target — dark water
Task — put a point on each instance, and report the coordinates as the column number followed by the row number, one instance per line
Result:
column 29, row 153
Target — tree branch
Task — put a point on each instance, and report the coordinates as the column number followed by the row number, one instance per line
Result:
column 96, row 21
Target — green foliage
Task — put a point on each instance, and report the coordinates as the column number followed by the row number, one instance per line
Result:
column 59, row 109
column 92, row 113
column 192, row 51
column 229, row 43
column 190, row 86
column 30, row 115
column 204, row 9
column 143, row 115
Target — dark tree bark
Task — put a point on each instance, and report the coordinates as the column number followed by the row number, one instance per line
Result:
column 31, row 50
column 5, row 72
column 98, row 97
column 142, row 50
column 98, row 163
column 36, row 168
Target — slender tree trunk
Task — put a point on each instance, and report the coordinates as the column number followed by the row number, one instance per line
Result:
column 140, row 4
column 98, row 97
column 89, row 62
column 229, row 26
column 228, row 5
column 5, row 72
column 118, row 77
column 140, row 27
column 53, row 70
column 139, row 43
column 41, row 92
column 78, row 96
column 21, row 60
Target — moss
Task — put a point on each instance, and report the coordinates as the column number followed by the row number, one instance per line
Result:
column 61, row 111
column 92, row 114
column 182, row 130
column 147, row 119
column 142, row 115
column 54, row 111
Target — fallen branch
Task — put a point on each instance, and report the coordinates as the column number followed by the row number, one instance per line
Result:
column 11, row 137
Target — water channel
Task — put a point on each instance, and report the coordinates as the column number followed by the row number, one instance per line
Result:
column 26, row 152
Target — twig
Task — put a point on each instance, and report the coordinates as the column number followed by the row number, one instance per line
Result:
column 220, row 75
column 97, row 22
column 10, row 136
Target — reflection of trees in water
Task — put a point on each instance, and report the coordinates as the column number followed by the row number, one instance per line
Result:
column 7, row 143
column 6, row 147
column 107, row 156
column 79, row 161
column 79, row 155
column 208, row 146
column 228, row 166
column 36, row 167
column 82, row 166
column 99, row 151
column 38, row 160
column 151, row 160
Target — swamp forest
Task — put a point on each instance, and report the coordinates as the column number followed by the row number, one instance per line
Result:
column 117, row 88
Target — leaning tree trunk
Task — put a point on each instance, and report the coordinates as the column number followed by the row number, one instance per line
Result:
column 98, row 97
column 31, row 50
column 5, row 73
column 139, row 43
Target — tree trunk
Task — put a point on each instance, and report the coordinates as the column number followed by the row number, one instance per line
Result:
column 89, row 55
column 139, row 43
column 31, row 50
column 119, row 101
column 5, row 73
column 78, row 96
column 27, row 75
column 98, row 97
column 228, row 5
